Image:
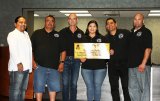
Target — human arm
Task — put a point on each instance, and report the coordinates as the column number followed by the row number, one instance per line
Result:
column 14, row 48
column 142, row 66
column 62, row 59
column 34, row 64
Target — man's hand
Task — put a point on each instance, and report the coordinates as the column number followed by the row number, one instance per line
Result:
column 61, row 67
column 20, row 67
column 141, row 68
column 34, row 65
column 111, row 52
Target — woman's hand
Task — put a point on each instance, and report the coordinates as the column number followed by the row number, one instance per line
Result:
column 83, row 59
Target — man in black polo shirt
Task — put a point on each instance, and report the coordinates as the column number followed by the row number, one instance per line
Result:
column 117, row 65
column 140, row 60
column 49, row 55
column 70, row 74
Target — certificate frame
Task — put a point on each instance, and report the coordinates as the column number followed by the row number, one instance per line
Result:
column 92, row 50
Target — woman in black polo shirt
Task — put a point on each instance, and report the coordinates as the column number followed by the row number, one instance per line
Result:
column 93, row 70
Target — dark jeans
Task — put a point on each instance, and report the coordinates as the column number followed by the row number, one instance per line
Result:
column 69, row 78
column 116, row 71
column 18, row 85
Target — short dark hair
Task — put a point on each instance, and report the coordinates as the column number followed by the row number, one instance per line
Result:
column 17, row 18
column 50, row 16
column 110, row 18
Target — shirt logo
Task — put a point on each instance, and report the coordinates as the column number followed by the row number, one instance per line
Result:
column 79, row 35
column 121, row 35
column 99, row 40
column 56, row 35
column 139, row 34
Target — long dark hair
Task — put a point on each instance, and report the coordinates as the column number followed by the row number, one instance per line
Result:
column 95, row 22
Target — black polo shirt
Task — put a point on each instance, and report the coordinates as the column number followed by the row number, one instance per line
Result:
column 71, row 38
column 47, row 48
column 120, row 44
column 94, row 64
column 140, row 40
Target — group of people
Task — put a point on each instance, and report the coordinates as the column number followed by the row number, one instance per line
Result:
column 51, row 54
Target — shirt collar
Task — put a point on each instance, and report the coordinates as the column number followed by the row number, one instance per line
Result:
column 20, row 31
column 138, row 29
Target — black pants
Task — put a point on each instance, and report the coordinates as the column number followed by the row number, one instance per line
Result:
column 116, row 71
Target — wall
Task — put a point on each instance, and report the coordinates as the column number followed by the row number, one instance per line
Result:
column 11, row 9
column 82, row 23
column 152, row 23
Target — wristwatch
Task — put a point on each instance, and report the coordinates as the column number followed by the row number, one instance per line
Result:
column 61, row 61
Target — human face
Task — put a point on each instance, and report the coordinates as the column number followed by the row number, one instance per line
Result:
column 138, row 21
column 49, row 23
column 72, row 20
column 21, row 24
column 92, row 28
column 111, row 25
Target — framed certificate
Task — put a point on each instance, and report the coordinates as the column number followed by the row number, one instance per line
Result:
column 92, row 50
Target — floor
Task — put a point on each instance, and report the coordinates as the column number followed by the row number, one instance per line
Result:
column 106, row 96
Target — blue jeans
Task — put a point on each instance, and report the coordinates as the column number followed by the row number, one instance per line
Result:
column 18, row 85
column 139, row 84
column 69, row 79
column 93, row 80
column 49, row 76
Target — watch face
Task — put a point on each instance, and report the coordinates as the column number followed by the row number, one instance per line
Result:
column 61, row 61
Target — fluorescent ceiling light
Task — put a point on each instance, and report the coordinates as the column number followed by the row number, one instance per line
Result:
column 80, row 14
column 155, row 11
column 74, row 11
column 36, row 15
column 153, row 14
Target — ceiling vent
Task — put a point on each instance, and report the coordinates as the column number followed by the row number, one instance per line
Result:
column 112, row 14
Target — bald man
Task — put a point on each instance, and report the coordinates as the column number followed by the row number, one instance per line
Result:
column 71, row 34
column 140, row 60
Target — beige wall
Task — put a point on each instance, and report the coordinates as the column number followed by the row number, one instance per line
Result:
column 152, row 23
column 62, row 22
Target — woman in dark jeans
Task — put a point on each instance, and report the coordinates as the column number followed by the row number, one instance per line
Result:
column 93, row 70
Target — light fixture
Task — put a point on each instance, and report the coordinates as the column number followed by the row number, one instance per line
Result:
column 74, row 11
column 82, row 15
column 36, row 15
column 154, row 14
column 154, row 11
column 112, row 13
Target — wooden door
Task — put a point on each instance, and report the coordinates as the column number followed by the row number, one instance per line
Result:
column 4, row 75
